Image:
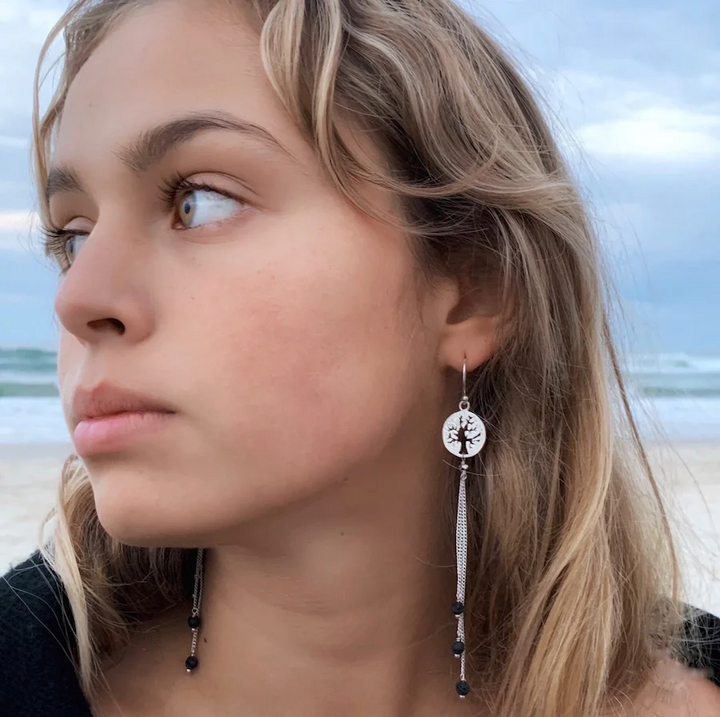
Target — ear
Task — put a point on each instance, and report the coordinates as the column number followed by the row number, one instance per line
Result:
column 468, row 320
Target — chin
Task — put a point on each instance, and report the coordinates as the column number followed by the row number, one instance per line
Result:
column 135, row 526
column 135, row 517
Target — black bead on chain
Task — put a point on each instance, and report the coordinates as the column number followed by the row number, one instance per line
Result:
column 192, row 662
column 462, row 687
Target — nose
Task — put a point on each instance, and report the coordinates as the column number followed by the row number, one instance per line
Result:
column 106, row 290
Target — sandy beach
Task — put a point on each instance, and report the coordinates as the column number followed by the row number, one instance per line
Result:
column 690, row 477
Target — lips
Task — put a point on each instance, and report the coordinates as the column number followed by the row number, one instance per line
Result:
column 106, row 399
column 119, row 431
column 109, row 418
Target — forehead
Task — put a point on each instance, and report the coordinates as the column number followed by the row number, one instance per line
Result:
column 165, row 60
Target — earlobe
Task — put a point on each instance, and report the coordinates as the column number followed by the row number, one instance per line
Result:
column 475, row 338
column 468, row 323
column 472, row 332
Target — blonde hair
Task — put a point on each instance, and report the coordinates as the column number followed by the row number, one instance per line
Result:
column 573, row 577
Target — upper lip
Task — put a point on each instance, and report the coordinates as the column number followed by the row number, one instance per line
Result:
column 106, row 399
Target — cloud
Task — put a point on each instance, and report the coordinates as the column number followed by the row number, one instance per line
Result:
column 17, row 220
column 14, row 142
column 671, row 134
column 639, row 115
column 23, row 28
column 17, row 299
column 17, row 230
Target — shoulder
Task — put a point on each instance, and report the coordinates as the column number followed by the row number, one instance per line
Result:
column 676, row 690
column 690, row 687
column 36, row 640
column 32, row 605
column 701, row 644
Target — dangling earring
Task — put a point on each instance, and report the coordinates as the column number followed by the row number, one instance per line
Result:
column 194, row 620
column 463, row 435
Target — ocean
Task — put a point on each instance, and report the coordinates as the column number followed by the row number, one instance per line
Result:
column 680, row 392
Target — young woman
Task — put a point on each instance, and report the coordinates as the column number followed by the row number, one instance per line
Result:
column 351, row 434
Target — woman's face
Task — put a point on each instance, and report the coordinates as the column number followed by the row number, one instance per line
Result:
column 282, row 324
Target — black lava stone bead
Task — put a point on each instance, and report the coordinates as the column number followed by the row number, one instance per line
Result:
column 457, row 608
column 194, row 621
column 191, row 663
column 462, row 688
column 458, row 647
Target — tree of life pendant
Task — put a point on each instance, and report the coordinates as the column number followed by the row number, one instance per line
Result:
column 464, row 432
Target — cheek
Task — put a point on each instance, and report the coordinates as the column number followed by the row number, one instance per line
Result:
column 66, row 349
column 69, row 357
column 306, row 365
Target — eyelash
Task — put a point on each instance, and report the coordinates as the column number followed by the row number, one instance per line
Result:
column 54, row 239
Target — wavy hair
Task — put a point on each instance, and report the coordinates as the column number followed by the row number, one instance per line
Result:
column 574, row 581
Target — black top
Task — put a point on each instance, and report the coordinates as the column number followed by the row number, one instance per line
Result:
column 37, row 677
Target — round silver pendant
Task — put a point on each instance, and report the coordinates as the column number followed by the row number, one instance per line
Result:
column 464, row 433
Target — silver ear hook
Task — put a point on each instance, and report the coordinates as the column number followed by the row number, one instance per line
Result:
column 464, row 379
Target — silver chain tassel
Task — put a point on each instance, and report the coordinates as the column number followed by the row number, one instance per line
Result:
column 194, row 620
column 461, row 552
column 464, row 436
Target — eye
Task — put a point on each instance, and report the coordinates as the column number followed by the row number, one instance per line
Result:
column 62, row 245
column 73, row 245
column 195, row 204
column 198, row 206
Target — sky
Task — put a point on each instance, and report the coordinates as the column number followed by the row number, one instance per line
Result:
column 632, row 90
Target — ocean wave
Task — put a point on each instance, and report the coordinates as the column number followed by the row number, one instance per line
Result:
column 27, row 389
column 673, row 363
column 30, row 371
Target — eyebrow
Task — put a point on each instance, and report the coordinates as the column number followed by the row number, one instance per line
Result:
column 152, row 145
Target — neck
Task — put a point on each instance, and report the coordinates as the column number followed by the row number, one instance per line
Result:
column 345, row 627
column 343, row 608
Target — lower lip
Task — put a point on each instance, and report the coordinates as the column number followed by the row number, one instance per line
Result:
column 112, row 433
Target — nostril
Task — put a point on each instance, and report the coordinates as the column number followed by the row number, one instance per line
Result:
column 114, row 323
